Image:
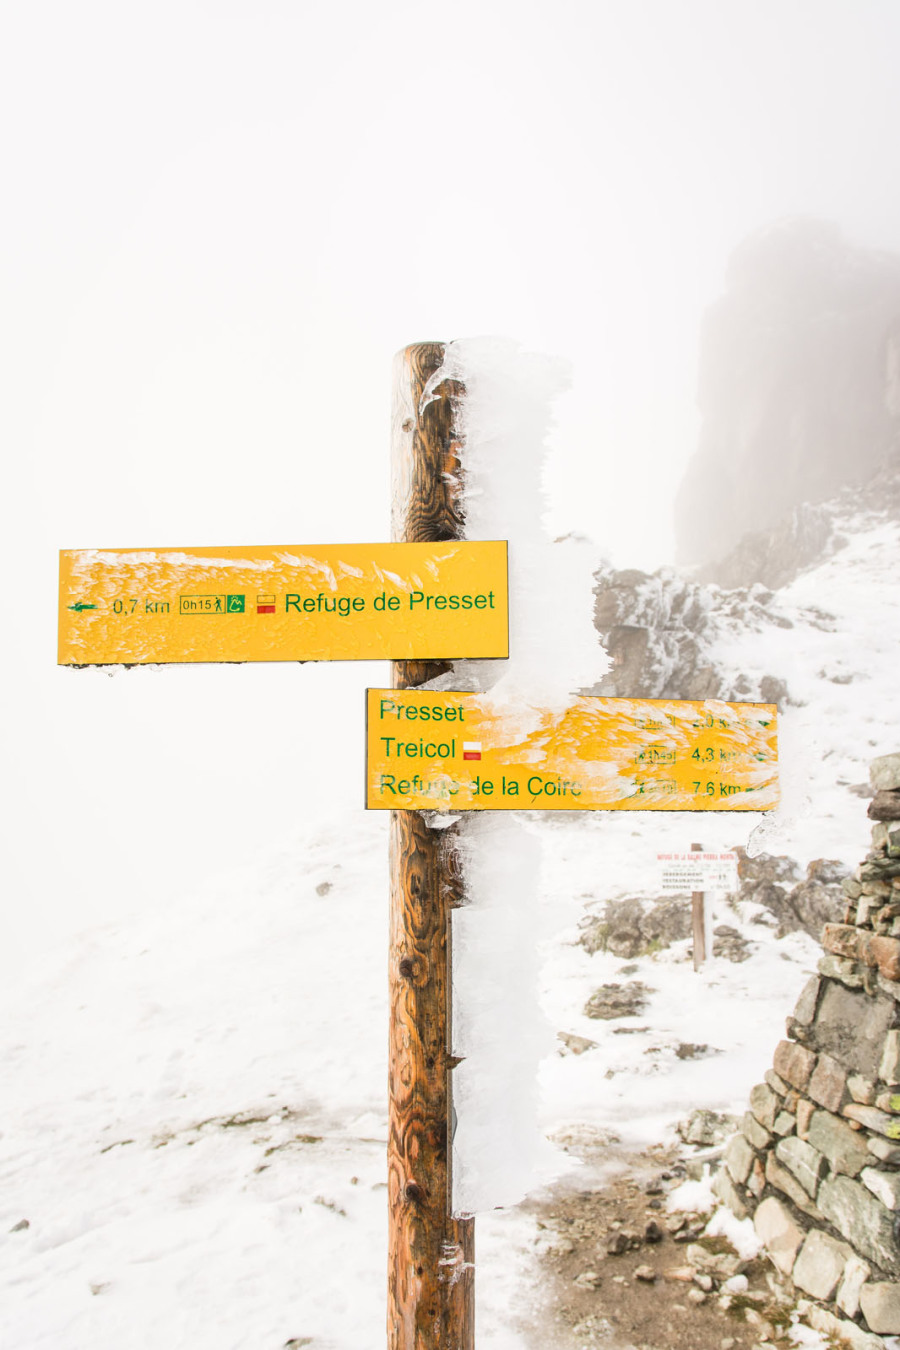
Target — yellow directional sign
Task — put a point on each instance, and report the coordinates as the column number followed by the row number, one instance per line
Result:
column 465, row 752
column 335, row 602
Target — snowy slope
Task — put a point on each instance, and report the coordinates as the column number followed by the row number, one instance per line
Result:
column 197, row 1117
column 193, row 1119
column 839, row 659
column 832, row 636
column 194, row 1114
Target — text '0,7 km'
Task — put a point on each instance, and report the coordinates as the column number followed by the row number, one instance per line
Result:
column 333, row 602
column 462, row 752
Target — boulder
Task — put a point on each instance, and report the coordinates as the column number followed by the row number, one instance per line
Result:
column 794, row 1063
column 828, row 1084
column 725, row 1190
column 885, row 1186
column 808, row 1001
column 889, row 1066
column 820, row 1265
column 797, row 905
column 817, row 900
column 705, row 1128
column 856, row 1272
column 756, row 1133
column 779, row 1233
column 851, row 1027
column 844, row 1147
column 805, row 1162
column 633, row 927
column 739, row 1157
column 884, row 772
column 612, row 1001
column 729, row 944
column 862, row 1220
column 841, row 1331
column 880, row 1304
column 764, row 1104
column 885, row 805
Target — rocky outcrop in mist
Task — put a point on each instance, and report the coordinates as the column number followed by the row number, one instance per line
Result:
column 660, row 631
column 799, row 387
column 665, row 632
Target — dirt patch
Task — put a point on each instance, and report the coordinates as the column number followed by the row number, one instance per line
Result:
column 624, row 1271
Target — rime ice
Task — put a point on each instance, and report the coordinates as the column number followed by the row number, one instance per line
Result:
column 499, row 1152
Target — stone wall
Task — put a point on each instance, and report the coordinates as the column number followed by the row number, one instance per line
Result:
column 817, row 1161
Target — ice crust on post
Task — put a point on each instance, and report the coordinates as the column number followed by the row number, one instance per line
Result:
column 499, row 1151
column 505, row 419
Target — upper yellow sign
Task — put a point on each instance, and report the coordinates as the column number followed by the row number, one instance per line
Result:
column 463, row 752
column 335, row 602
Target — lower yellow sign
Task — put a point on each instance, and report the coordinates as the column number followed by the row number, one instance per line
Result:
column 335, row 602
column 464, row 752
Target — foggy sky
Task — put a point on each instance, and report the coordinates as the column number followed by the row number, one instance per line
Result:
column 222, row 219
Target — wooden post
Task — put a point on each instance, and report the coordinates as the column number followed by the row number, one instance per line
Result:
column 698, row 919
column 430, row 1254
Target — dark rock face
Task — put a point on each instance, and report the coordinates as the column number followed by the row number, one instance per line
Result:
column 819, row 899
column 808, row 904
column 853, row 1026
column 774, row 557
column 659, row 630
column 800, row 445
column 765, row 869
column 654, row 627
column 662, row 629
column 798, row 392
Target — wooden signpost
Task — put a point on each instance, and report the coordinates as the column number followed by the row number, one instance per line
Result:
column 423, row 600
column 431, row 1254
column 443, row 759
column 698, row 921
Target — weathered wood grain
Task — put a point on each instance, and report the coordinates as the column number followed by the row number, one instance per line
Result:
column 431, row 1254
column 698, row 919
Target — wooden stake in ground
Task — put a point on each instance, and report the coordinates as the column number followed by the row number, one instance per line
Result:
column 430, row 1254
column 698, row 919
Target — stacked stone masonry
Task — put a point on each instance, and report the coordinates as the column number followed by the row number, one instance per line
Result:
column 817, row 1161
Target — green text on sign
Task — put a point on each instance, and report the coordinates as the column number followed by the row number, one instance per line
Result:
column 463, row 752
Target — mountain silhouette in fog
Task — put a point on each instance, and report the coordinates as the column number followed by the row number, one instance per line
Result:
column 799, row 384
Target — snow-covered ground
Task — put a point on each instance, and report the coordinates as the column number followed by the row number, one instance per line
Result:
column 633, row 1084
column 194, row 1111
column 839, row 659
column 194, row 1115
column 193, row 1120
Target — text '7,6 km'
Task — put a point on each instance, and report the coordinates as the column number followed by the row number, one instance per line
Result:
column 460, row 752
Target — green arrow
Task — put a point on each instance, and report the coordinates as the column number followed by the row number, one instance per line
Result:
column 82, row 604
